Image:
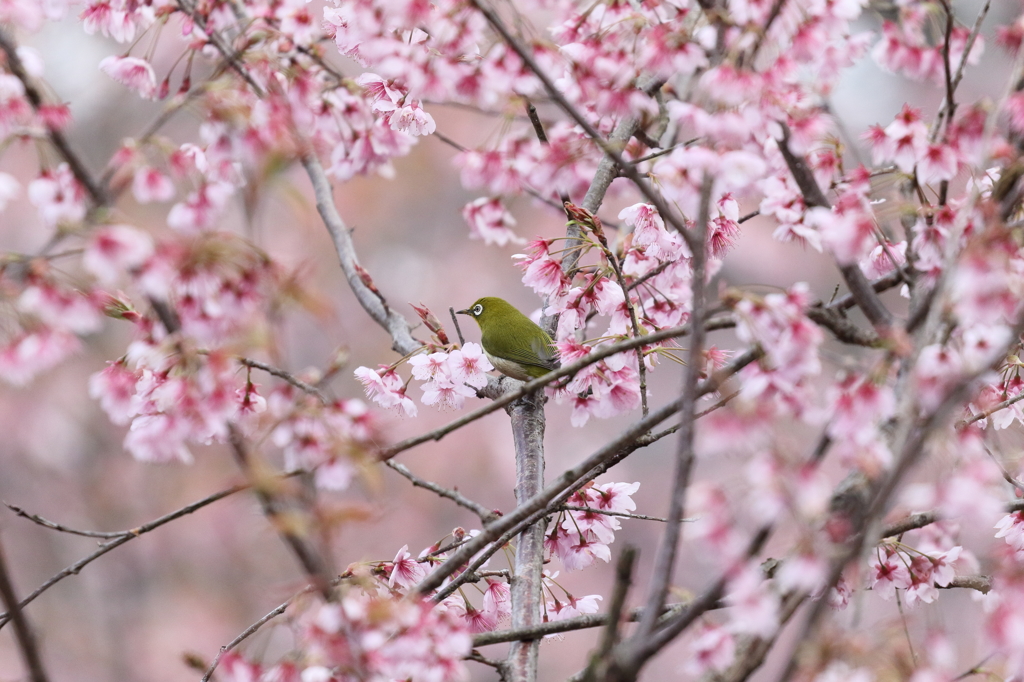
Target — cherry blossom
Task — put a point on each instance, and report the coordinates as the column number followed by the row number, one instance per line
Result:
column 713, row 650
column 132, row 72
column 753, row 610
column 149, row 184
column 58, row 195
column 115, row 251
column 490, row 221
column 386, row 389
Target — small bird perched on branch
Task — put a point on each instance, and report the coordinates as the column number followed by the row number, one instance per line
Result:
column 513, row 343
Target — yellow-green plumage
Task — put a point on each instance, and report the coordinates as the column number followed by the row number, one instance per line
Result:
column 513, row 343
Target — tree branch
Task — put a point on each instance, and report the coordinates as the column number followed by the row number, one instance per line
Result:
column 373, row 303
column 124, row 537
column 562, row 487
column 22, row 631
column 97, row 193
column 861, row 290
column 527, row 417
column 666, row 560
column 482, row 512
column 599, row 353
column 314, row 561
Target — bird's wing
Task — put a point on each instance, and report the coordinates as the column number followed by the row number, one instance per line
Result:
column 547, row 353
column 540, row 350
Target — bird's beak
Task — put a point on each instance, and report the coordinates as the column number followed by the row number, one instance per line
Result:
column 463, row 312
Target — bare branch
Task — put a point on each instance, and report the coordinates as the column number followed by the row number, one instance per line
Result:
column 611, row 636
column 249, row 631
column 605, row 512
column 22, row 631
column 371, row 300
column 290, row 378
column 53, row 525
column 74, row 568
column 527, row 418
column 481, row 511
column 842, row 328
column 978, row 583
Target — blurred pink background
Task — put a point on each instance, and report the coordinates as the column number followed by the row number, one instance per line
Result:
column 193, row 585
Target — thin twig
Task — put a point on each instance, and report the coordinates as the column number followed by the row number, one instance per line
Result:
column 969, row 45
column 458, row 329
column 964, row 423
column 481, row 511
column 249, row 631
column 126, row 536
column 53, row 525
column 290, row 378
column 607, row 512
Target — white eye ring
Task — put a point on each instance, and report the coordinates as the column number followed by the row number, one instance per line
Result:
column 477, row 309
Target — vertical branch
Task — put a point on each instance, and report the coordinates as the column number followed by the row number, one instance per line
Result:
column 527, row 415
column 22, row 631
column 666, row 559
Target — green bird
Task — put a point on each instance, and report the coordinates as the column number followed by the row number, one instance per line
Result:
column 512, row 342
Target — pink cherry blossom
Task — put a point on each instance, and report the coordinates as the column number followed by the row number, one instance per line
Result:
column 149, row 184
column 405, row 571
column 30, row 353
column 753, row 609
column 387, row 389
column 58, row 195
column 469, row 365
column 446, row 394
column 61, row 308
column 712, row 651
column 542, row 273
column 116, row 250
column 132, row 72
column 889, row 573
column 490, row 221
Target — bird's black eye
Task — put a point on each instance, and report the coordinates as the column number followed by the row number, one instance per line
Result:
column 477, row 309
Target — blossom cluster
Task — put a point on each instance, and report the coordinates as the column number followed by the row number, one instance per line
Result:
column 583, row 535
column 449, row 378
column 578, row 536
column 917, row 571
column 366, row 635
